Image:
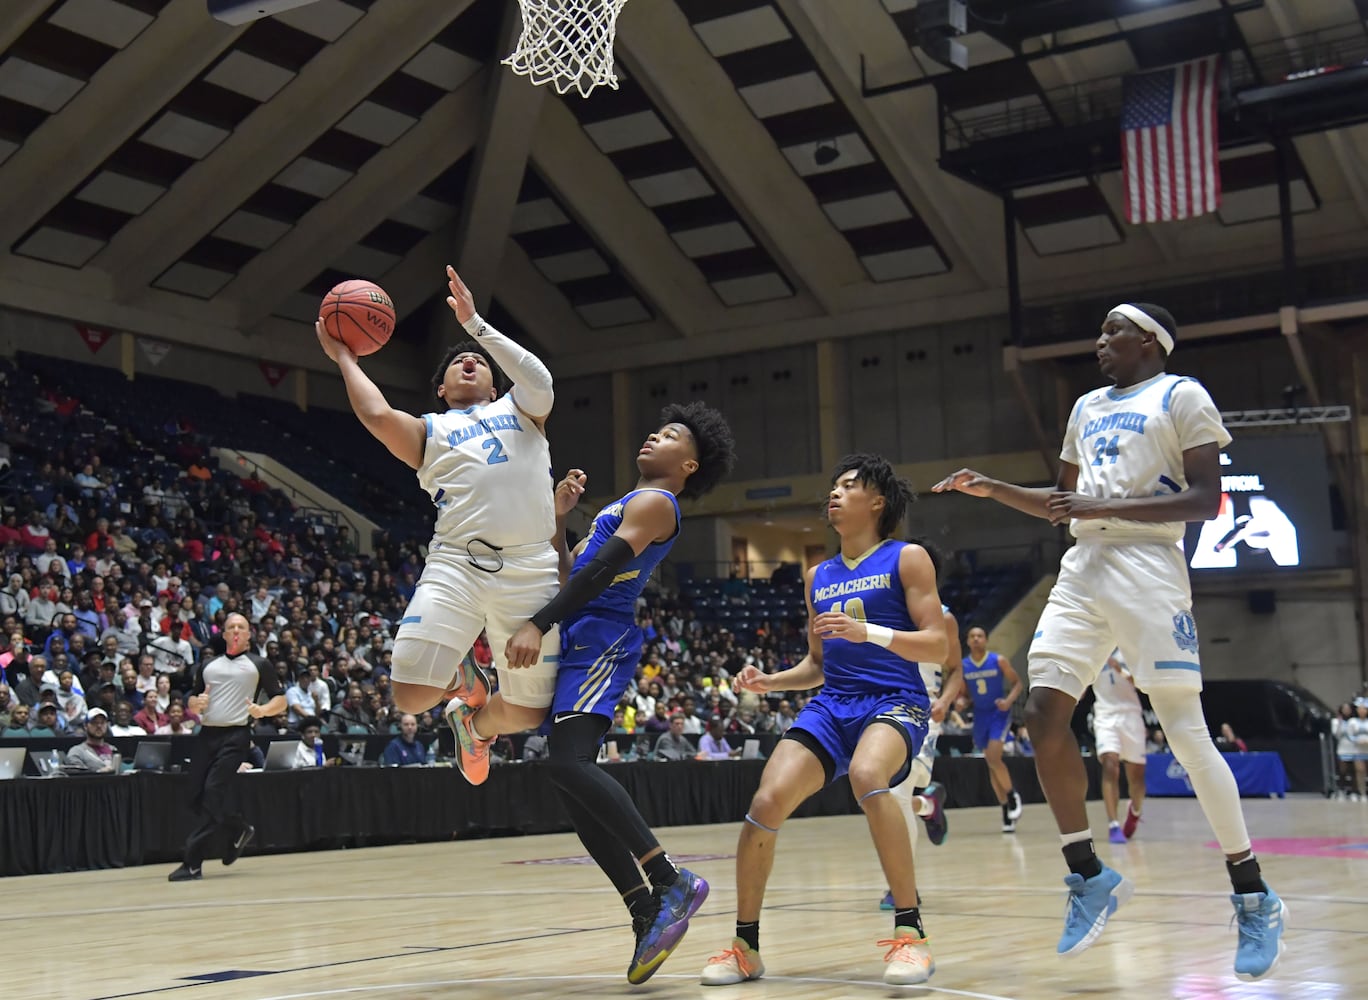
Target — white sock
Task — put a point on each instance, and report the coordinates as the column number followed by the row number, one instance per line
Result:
column 924, row 806
column 1066, row 839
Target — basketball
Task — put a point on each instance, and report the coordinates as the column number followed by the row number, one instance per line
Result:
column 359, row 314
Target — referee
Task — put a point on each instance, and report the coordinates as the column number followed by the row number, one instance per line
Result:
column 224, row 697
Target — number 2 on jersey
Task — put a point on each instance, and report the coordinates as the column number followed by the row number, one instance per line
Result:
column 1103, row 448
column 496, row 455
column 853, row 607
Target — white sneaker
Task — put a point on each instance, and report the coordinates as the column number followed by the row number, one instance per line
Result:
column 909, row 960
column 737, row 964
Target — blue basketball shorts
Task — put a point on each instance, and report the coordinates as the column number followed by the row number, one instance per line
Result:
column 831, row 726
column 599, row 658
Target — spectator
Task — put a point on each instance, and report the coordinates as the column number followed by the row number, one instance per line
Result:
column 18, row 725
column 176, row 723
column 94, row 754
column 405, row 749
column 123, row 724
column 306, row 754
column 1228, row 742
column 14, row 599
column 6, row 706
column 673, row 744
column 300, row 699
column 150, row 718
column 1157, row 743
column 70, row 701
column 46, row 725
column 659, row 722
column 713, row 744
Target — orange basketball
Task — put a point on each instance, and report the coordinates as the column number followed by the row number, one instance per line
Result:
column 359, row 314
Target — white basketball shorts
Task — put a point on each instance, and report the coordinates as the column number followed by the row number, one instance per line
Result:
column 1133, row 596
column 455, row 601
column 1121, row 733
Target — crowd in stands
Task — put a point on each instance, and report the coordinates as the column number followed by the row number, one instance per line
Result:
column 123, row 554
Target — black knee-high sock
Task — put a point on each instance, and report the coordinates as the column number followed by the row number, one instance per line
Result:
column 573, row 749
column 613, row 859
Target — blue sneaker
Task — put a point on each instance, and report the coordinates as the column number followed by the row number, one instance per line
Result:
column 1261, row 916
column 887, row 902
column 674, row 908
column 1091, row 902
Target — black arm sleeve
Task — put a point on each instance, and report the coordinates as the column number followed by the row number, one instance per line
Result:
column 587, row 584
column 267, row 680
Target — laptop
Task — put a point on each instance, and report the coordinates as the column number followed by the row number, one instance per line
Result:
column 750, row 750
column 280, row 756
column 12, row 762
column 48, row 763
column 152, row 756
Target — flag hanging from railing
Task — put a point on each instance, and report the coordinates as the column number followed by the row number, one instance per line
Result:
column 1169, row 166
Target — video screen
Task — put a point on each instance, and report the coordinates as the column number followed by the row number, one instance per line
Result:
column 1275, row 509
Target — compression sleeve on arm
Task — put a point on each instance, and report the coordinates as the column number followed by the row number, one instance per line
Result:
column 529, row 376
column 588, row 583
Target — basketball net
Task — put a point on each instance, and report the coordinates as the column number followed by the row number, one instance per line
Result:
column 567, row 43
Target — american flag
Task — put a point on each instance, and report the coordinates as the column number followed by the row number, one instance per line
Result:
column 1168, row 143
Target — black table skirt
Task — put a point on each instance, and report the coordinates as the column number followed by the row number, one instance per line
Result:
column 73, row 823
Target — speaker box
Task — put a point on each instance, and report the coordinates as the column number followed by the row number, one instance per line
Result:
column 245, row 11
column 1262, row 602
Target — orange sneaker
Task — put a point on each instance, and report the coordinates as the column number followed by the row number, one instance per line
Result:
column 472, row 752
column 909, row 960
column 472, row 684
column 737, row 964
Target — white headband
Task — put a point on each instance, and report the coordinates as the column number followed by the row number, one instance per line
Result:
column 1147, row 322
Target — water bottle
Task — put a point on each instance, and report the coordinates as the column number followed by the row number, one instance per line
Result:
column 432, row 752
column 318, row 750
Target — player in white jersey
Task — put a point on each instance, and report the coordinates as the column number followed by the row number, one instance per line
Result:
column 1139, row 460
column 943, row 685
column 491, row 564
column 1119, row 732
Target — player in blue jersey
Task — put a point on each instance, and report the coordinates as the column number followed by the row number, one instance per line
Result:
column 985, row 675
column 873, row 616
column 1140, row 458
column 600, row 651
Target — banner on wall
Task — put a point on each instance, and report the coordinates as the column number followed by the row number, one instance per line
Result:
column 154, row 350
column 273, row 373
column 94, row 339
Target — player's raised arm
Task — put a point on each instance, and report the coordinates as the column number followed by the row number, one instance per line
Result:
column 1027, row 499
column 402, row 433
column 567, row 494
column 532, row 384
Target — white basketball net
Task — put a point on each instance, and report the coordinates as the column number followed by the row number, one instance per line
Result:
column 567, row 43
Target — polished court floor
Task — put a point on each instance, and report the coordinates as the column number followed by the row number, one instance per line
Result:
column 518, row 917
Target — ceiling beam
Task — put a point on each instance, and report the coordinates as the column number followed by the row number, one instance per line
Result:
column 332, row 83
column 86, row 297
column 19, row 15
column 120, row 99
column 387, row 181
column 689, row 87
column 901, row 130
column 512, row 109
column 594, row 191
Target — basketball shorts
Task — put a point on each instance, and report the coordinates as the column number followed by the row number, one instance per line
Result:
column 831, row 726
column 599, row 657
column 455, row 601
column 990, row 724
column 1133, row 596
column 1121, row 733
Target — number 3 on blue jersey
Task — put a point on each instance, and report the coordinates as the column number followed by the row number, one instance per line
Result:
column 1103, row 448
column 496, row 455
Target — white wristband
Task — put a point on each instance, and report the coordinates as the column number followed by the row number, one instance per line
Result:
column 880, row 635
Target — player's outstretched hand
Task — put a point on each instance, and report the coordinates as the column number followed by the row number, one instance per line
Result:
column 332, row 347
column 461, row 302
column 1062, row 507
column 837, row 625
column 976, row 484
column 751, row 678
column 524, row 647
column 569, row 490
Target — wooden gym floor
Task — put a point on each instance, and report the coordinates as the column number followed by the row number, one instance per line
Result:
column 503, row 919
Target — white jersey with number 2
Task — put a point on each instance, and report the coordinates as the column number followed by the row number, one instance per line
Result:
column 1129, row 442
column 488, row 471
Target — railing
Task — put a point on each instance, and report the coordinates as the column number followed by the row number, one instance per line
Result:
column 1274, row 61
